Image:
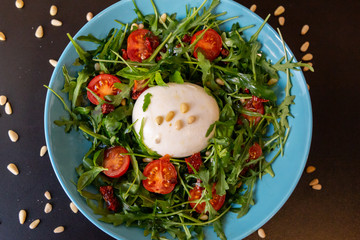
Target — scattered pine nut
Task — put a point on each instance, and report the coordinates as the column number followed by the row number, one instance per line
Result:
column 19, row 3
column 279, row 10
column 8, row 108
column 56, row 23
column 169, row 116
column 207, row 153
column 307, row 57
column 48, row 208
column 253, row 8
column 272, row 81
column 2, row 36
column 43, row 151
column 53, row 10
column 141, row 26
column 308, row 86
column 204, row 217
column 73, row 207
column 59, row 229
column 281, row 21
column 178, row 124
column 159, row 120
column 147, row 159
column 89, row 16
column 39, row 33
column 184, row 107
column 163, row 18
column 306, row 68
column 314, row 182
column 191, row 119
column 310, row 169
column 220, row 81
column 13, row 169
column 97, row 66
column 261, row 233
column 13, row 135
column 3, row 100
column 134, row 25
column 34, row 224
column 53, row 62
column 317, row 187
column 305, row 46
column 47, row 195
column 305, row 29
column 22, row 216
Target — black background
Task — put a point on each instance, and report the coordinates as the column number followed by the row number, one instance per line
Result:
column 332, row 213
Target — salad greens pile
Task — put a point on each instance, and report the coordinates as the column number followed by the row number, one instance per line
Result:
column 243, row 73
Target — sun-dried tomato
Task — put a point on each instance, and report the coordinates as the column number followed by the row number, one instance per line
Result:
column 112, row 202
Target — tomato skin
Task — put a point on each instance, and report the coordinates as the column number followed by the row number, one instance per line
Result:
column 111, row 201
column 141, row 43
column 161, row 176
column 255, row 151
column 255, row 104
column 139, row 88
column 210, row 45
column 195, row 161
column 116, row 163
column 102, row 85
column 107, row 108
column 216, row 201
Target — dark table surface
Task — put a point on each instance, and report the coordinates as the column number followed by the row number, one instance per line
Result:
column 332, row 213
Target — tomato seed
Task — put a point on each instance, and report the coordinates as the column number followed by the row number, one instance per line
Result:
column 53, row 10
column 307, row 57
column 169, row 116
column 317, row 187
column 53, row 62
column 310, row 169
column 47, row 195
column 178, row 124
column 3, row 100
column 281, row 21
column 34, row 224
column 261, row 233
column 8, row 108
column 279, row 10
column 253, row 8
column 13, row 169
column 159, row 120
column 56, row 23
column 59, row 229
column 184, row 107
column 39, row 33
column 48, row 208
column 89, row 16
column 191, row 119
column 2, row 36
column 13, row 135
column 314, row 182
column 19, row 3
column 22, row 216
column 305, row 29
column 73, row 207
column 305, row 46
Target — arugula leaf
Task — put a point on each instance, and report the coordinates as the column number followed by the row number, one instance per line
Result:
column 146, row 101
column 176, row 77
column 125, row 93
column 87, row 177
column 83, row 55
column 80, row 81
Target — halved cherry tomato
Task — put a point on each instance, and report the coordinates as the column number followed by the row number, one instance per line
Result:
column 195, row 161
column 255, row 151
column 141, row 43
column 139, row 88
column 102, row 85
column 216, row 201
column 116, row 163
column 210, row 45
column 161, row 176
column 255, row 104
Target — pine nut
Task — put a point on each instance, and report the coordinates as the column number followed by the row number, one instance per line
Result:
column 307, row 57
column 43, row 151
column 220, row 81
column 141, row 26
column 310, row 169
column 207, row 153
column 157, row 140
column 8, row 108
column 317, row 187
column 308, row 86
column 169, row 116
column 89, row 16
column 178, row 124
column 34, row 224
column 53, row 10
column 134, row 25
column 123, row 102
column 314, row 182
column 22, row 216
column 48, row 208
column 59, row 229
column 39, row 33
column 272, row 81
column 253, row 8
column 47, row 195
column 159, row 120
column 306, row 68
column 281, row 21
column 3, row 100
column 147, row 159
column 204, row 217
column 13, row 169
column 305, row 46
column 13, row 135
column 73, row 207
column 19, row 3
column 53, row 62
column 56, row 23
column 305, row 29
column 2, row 36
column 184, row 107
column 191, row 119
column 163, row 18
column 279, row 10
column 261, row 233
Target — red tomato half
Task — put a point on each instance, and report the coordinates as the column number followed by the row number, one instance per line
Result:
column 116, row 163
column 161, row 176
column 255, row 104
column 195, row 161
column 216, row 201
column 102, row 85
column 139, row 88
column 141, row 43
column 255, row 151
column 210, row 45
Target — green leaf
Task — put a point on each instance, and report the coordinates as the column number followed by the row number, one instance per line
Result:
column 83, row 55
column 125, row 93
column 159, row 80
column 90, row 38
column 176, row 77
column 87, row 177
column 221, row 185
column 146, row 101
column 80, row 81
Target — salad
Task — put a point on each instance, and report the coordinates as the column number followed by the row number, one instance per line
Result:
column 122, row 177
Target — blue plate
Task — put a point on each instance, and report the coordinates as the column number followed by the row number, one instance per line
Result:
column 67, row 150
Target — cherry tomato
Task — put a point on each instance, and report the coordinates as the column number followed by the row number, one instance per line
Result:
column 255, row 104
column 116, row 163
column 138, row 89
column 161, row 176
column 141, row 43
column 102, row 85
column 195, row 161
column 255, row 151
column 216, row 201
column 210, row 45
